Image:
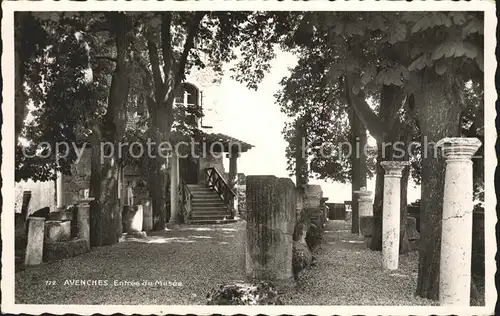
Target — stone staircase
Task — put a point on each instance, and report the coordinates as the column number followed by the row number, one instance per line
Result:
column 207, row 206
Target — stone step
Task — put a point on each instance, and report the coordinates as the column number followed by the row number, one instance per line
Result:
column 209, row 216
column 211, row 221
column 205, row 198
column 218, row 203
column 208, row 208
column 202, row 191
column 205, row 193
column 197, row 186
column 220, row 213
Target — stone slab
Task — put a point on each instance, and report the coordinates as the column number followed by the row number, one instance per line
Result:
column 271, row 216
column 34, row 247
column 64, row 249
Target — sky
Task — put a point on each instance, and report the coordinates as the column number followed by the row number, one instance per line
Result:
column 254, row 117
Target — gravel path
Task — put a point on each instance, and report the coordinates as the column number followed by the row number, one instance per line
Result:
column 188, row 260
column 347, row 273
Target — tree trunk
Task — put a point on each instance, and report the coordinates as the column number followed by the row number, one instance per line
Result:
column 301, row 168
column 358, row 158
column 20, row 97
column 391, row 99
column 438, row 116
column 376, row 241
column 158, row 171
column 106, row 209
column 404, row 243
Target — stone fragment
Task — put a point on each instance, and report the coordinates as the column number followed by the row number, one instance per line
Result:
column 411, row 228
column 132, row 218
column 64, row 249
column 261, row 293
column 301, row 259
column 34, row 247
column 271, row 207
column 57, row 231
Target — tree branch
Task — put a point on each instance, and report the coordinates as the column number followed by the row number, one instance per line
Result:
column 166, row 44
column 181, row 65
column 155, row 67
column 369, row 118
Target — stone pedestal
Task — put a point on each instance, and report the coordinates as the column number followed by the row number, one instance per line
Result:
column 271, row 206
column 34, row 247
column 147, row 215
column 365, row 209
column 83, row 220
column 456, row 236
column 391, row 213
column 174, row 189
column 132, row 218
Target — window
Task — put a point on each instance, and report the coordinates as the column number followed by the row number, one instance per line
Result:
column 188, row 97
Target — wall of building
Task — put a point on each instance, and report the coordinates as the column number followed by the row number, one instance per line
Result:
column 43, row 194
column 208, row 162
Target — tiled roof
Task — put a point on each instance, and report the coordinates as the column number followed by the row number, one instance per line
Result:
column 228, row 141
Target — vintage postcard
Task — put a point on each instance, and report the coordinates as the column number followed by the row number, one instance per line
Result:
column 253, row 157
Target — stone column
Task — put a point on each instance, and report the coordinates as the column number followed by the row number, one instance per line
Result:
column 174, row 189
column 60, row 190
column 34, row 247
column 233, row 178
column 365, row 209
column 83, row 220
column 271, row 205
column 456, row 236
column 391, row 213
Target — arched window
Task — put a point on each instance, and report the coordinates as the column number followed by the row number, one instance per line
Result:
column 188, row 97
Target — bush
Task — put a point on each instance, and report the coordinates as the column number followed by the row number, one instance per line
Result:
column 262, row 293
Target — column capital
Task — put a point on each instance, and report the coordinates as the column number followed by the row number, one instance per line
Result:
column 363, row 194
column 458, row 148
column 394, row 168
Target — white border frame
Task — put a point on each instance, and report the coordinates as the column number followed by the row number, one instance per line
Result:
column 7, row 285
